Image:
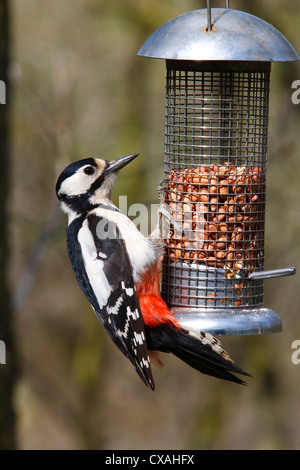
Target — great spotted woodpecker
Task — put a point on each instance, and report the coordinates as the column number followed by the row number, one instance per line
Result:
column 118, row 270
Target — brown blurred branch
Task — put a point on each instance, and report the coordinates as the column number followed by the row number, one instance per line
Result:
column 28, row 276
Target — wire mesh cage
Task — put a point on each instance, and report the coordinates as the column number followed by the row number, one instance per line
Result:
column 215, row 169
column 216, row 136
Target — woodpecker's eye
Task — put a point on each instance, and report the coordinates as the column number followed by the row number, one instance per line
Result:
column 89, row 170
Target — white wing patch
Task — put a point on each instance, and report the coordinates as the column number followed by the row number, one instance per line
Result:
column 93, row 265
column 140, row 250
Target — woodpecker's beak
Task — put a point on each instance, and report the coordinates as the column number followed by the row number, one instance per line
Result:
column 116, row 165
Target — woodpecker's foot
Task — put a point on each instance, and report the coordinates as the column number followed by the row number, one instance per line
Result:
column 165, row 219
column 161, row 191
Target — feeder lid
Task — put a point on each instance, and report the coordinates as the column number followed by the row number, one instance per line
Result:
column 235, row 35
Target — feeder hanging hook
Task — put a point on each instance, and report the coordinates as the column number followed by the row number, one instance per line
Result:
column 209, row 23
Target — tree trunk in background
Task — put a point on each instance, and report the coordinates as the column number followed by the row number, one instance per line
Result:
column 8, row 370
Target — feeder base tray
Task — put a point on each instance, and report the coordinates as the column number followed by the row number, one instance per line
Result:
column 229, row 322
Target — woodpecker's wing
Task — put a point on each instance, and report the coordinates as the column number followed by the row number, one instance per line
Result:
column 104, row 273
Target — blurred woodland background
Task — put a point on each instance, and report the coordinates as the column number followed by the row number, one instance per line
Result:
column 76, row 88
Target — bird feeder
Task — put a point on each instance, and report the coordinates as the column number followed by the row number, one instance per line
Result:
column 218, row 64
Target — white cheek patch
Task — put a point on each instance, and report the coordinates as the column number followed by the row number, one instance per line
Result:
column 78, row 183
column 93, row 266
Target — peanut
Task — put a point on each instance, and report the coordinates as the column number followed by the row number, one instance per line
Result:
column 221, row 243
column 220, row 210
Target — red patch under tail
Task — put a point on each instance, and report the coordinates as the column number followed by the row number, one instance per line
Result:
column 154, row 310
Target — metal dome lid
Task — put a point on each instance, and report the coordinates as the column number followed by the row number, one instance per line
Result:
column 235, row 35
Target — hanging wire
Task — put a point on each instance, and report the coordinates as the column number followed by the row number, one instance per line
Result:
column 209, row 25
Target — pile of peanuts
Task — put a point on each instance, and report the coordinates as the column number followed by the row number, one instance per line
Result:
column 218, row 214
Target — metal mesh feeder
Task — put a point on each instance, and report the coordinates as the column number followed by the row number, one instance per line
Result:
column 218, row 65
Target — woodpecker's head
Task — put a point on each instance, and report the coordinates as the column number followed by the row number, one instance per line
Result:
column 87, row 183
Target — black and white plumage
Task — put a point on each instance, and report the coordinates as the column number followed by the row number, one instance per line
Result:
column 117, row 269
column 99, row 259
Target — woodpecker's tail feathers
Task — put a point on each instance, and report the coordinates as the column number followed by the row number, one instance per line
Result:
column 199, row 350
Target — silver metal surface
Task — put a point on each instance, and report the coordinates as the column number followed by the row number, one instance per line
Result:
column 220, row 322
column 235, row 35
column 272, row 273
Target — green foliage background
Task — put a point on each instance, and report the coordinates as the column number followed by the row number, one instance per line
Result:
column 80, row 90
